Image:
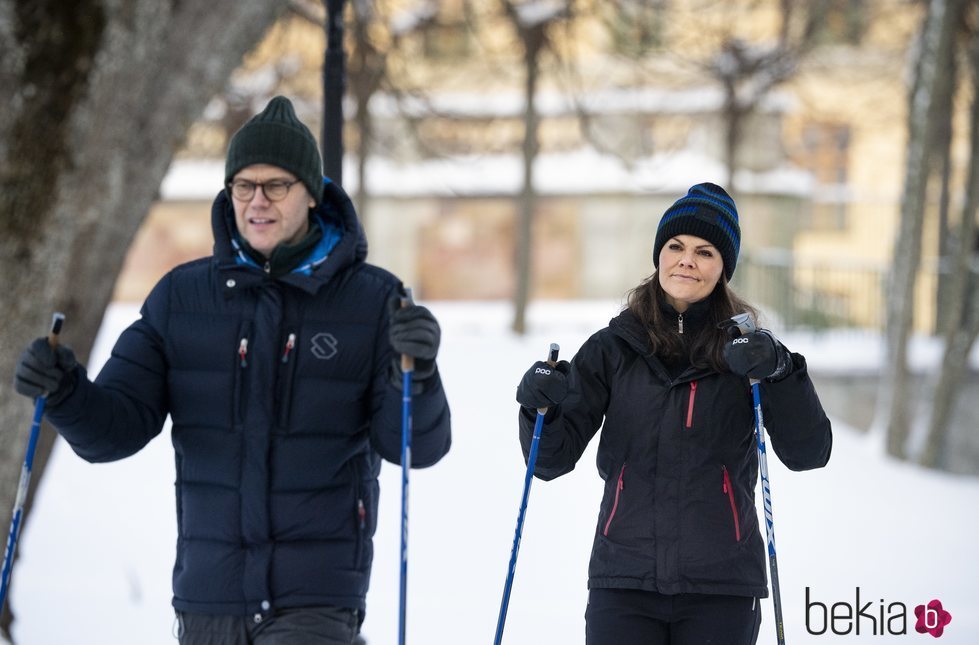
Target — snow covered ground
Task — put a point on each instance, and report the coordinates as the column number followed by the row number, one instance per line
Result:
column 95, row 557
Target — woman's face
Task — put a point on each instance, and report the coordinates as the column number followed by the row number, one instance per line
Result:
column 689, row 268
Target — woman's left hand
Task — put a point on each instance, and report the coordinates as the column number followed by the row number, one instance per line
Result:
column 758, row 355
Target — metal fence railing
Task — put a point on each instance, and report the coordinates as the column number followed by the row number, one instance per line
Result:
column 813, row 295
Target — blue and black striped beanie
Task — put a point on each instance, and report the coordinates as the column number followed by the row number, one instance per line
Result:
column 706, row 211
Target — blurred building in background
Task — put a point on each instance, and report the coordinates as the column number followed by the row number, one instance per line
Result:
column 633, row 109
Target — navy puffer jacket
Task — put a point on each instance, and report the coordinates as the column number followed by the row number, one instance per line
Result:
column 282, row 403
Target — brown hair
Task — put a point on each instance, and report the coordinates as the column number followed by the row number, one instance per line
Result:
column 706, row 349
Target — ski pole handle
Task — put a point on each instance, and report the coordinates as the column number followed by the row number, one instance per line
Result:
column 57, row 321
column 552, row 361
column 407, row 362
column 739, row 325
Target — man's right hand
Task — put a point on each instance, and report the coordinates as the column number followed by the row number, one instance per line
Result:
column 43, row 370
column 544, row 386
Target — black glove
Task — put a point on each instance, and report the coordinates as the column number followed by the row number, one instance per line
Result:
column 544, row 386
column 415, row 332
column 758, row 355
column 42, row 370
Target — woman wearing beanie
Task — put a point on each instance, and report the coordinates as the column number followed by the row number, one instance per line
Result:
column 678, row 556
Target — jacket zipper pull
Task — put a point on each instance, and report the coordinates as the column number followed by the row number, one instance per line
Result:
column 724, row 470
column 267, row 267
column 361, row 513
column 290, row 343
column 679, row 319
column 243, row 351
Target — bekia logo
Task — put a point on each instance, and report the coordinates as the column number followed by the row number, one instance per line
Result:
column 932, row 618
column 873, row 619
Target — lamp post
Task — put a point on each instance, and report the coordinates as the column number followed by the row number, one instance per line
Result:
column 334, row 87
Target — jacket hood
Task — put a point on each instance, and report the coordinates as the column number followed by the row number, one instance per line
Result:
column 627, row 327
column 336, row 208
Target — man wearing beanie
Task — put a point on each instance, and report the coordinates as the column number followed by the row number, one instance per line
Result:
column 678, row 556
column 276, row 359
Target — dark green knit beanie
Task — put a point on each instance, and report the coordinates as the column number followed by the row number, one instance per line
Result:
column 277, row 137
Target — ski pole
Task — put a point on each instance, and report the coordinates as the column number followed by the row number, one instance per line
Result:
column 57, row 320
column 407, row 370
column 745, row 325
column 528, row 479
column 766, row 491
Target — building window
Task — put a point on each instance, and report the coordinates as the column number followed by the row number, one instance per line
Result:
column 635, row 26
column 844, row 21
column 447, row 40
column 823, row 149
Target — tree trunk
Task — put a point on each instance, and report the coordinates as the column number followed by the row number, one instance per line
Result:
column 894, row 400
column 365, row 133
column 733, row 122
column 366, row 78
column 533, row 42
column 963, row 296
column 97, row 97
column 944, row 110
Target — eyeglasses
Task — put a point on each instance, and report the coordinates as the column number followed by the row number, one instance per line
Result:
column 274, row 190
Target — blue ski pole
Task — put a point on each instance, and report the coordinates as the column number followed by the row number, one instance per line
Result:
column 25, row 472
column 528, row 479
column 407, row 370
column 744, row 324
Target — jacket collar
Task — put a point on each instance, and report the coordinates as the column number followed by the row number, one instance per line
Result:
column 629, row 328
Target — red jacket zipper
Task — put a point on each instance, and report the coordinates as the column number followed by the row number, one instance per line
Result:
column 290, row 343
column 615, row 504
column 729, row 489
column 693, row 395
column 243, row 352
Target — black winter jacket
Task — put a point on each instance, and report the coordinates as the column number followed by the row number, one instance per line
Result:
column 678, row 456
column 282, row 404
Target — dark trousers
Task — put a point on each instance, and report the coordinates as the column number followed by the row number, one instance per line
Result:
column 308, row 625
column 635, row 617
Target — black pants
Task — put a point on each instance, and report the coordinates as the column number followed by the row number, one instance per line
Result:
column 634, row 617
column 308, row 625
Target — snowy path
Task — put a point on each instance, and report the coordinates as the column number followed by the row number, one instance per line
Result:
column 95, row 559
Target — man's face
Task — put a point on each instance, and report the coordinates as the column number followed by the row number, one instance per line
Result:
column 264, row 223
